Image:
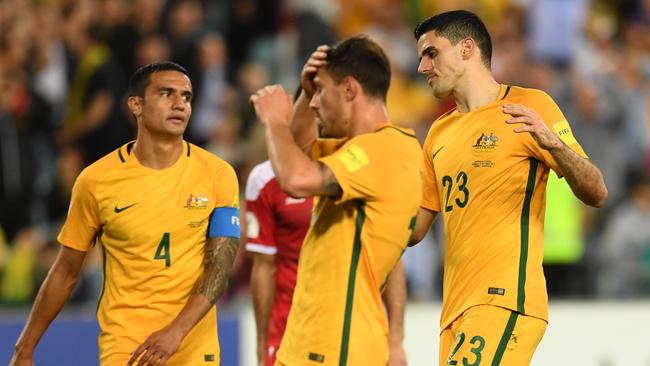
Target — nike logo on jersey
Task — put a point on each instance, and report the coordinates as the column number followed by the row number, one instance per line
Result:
column 293, row 201
column 436, row 153
column 120, row 209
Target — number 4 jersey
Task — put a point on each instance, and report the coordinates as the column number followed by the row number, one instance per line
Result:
column 150, row 227
column 489, row 183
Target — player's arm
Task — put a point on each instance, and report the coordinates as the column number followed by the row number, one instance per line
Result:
column 303, row 119
column 394, row 297
column 219, row 256
column 263, row 290
column 584, row 178
column 51, row 298
column 303, row 124
column 298, row 175
column 422, row 225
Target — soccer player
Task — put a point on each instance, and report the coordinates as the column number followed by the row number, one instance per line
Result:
column 164, row 214
column 486, row 165
column 277, row 224
column 366, row 177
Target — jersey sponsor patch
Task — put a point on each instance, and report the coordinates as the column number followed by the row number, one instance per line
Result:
column 224, row 221
column 496, row 291
column 316, row 357
column 353, row 158
column 564, row 131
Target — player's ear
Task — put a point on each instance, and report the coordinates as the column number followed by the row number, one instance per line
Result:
column 467, row 48
column 135, row 105
column 352, row 87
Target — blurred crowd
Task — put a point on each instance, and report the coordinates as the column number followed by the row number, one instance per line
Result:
column 64, row 68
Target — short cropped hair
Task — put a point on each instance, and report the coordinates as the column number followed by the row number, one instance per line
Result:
column 456, row 25
column 142, row 76
column 365, row 61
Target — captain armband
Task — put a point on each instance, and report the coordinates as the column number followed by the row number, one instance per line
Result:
column 224, row 221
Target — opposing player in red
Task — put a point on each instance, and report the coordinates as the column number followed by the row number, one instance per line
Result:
column 277, row 225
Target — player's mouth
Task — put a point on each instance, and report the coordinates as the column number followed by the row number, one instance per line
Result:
column 176, row 120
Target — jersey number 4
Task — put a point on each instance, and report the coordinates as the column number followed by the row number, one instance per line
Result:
column 163, row 250
column 448, row 183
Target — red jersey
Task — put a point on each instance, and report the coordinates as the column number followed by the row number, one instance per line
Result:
column 277, row 225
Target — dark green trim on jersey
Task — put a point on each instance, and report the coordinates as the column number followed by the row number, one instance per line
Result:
column 101, row 294
column 129, row 147
column 356, row 253
column 506, row 93
column 524, row 229
column 507, row 333
column 119, row 153
column 188, row 149
column 397, row 129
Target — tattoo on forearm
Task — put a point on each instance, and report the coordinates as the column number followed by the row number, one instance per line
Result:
column 331, row 186
column 219, row 256
column 583, row 176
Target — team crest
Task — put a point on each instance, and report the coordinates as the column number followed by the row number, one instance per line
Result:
column 486, row 142
column 196, row 202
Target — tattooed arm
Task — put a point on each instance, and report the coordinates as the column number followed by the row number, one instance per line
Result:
column 584, row 178
column 219, row 256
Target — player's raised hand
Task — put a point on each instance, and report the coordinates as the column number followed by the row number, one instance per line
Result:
column 158, row 348
column 533, row 124
column 309, row 70
column 272, row 105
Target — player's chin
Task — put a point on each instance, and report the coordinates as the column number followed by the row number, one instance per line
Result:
column 440, row 92
column 175, row 131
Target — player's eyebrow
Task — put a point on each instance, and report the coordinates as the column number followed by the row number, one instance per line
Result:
column 185, row 93
column 427, row 51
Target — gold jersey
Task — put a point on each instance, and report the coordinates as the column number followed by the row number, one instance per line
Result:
column 150, row 227
column 337, row 315
column 489, row 183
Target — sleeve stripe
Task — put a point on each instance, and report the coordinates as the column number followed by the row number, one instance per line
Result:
column 262, row 249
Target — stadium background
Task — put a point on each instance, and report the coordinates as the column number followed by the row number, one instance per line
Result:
column 64, row 66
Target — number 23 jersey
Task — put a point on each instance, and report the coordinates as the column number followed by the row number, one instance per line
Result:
column 489, row 183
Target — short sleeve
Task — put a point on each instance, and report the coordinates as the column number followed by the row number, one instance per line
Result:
column 82, row 223
column 553, row 117
column 324, row 147
column 260, row 222
column 226, row 188
column 356, row 166
column 430, row 199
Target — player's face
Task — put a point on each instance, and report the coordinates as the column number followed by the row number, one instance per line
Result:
column 441, row 62
column 330, row 106
column 166, row 107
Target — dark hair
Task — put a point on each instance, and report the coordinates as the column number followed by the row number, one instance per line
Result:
column 141, row 77
column 456, row 25
column 362, row 59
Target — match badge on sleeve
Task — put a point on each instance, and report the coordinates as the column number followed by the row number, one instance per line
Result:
column 564, row 131
column 353, row 158
column 235, row 201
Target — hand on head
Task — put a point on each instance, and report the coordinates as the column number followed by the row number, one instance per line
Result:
column 315, row 62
